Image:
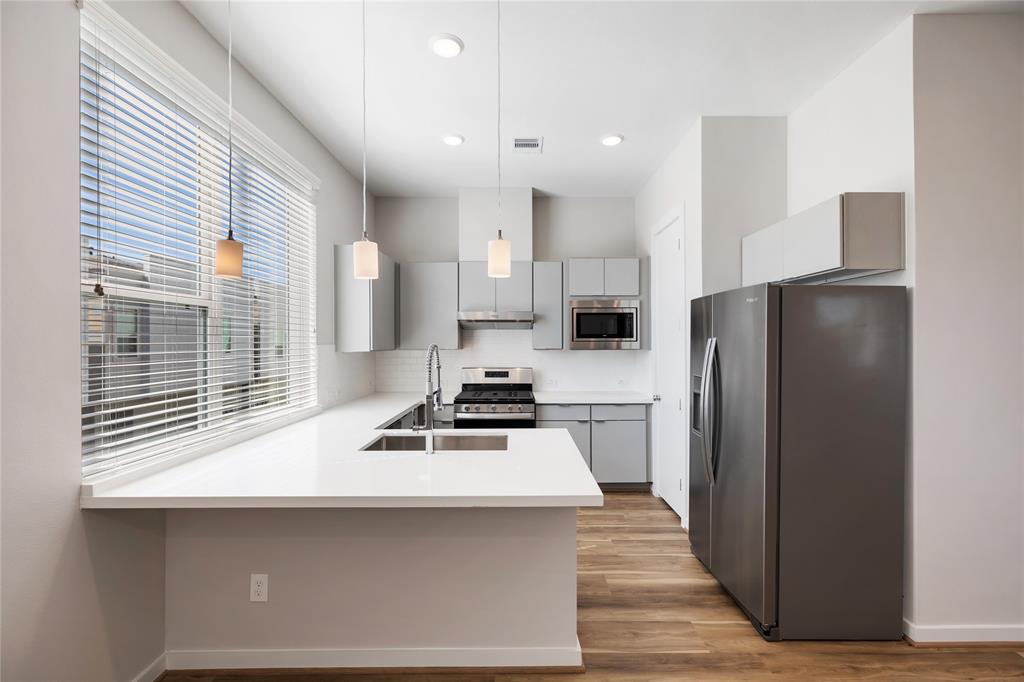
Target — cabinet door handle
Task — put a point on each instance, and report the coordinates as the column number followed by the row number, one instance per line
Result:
column 581, row 421
column 598, row 421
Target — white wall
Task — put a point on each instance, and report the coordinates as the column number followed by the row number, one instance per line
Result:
column 479, row 220
column 83, row 593
column 564, row 370
column 582, row 227
column 727, row 176
column 968, row 474
column 418, row 229
column 743, row 188
column 675, row 187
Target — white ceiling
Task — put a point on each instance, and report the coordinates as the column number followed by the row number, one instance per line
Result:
column 571, row 71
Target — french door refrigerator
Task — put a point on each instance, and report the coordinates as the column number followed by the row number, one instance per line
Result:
column 797, row 455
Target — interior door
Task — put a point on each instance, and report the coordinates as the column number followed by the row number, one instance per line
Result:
column 743, row 461
column 698, row 472
column 671, row 342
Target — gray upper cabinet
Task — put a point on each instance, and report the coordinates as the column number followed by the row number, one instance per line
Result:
column 622, row 277
column 586, row 276
column 850, row 235
column 604, row 277
column 428, row 304
column 364, row 310
column 547, row 305
column 515, row 293
column 476, row 289
column 479, row 292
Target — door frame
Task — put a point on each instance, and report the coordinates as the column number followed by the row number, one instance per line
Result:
column 677, row 215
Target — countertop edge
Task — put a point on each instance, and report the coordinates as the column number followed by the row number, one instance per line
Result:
column 592, row 398
column 456, row 502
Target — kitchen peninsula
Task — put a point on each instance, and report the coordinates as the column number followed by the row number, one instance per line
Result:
column 367, row 552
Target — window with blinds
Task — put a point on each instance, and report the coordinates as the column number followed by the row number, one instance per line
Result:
column 172, row 357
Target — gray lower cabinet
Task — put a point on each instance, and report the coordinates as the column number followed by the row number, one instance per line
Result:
column 547, row 305
column 618, row 452
column 579, row 430
column 611, row 438
column 428, row 305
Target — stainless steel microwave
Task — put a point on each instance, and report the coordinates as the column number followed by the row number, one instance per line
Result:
column 605, row 323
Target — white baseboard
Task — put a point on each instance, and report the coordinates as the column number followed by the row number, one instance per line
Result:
column 375, row 658
column 933, row 634
column 153, row 670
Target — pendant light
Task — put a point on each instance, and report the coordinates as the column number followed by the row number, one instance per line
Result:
column 228, row 262
column 499, row 251
column 365, row 263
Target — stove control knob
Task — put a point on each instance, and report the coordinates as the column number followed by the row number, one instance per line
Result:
column 494, row 408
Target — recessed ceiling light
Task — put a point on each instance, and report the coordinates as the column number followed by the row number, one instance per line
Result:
column 453, row 140
column 612, row 140
column 446, row 45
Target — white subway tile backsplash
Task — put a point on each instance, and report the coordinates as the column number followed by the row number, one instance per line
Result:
column 403, row 370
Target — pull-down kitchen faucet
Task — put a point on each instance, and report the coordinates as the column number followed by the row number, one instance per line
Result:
column 433, row 400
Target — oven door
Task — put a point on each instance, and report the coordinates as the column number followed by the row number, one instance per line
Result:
column 523, row 420
column 605, row 325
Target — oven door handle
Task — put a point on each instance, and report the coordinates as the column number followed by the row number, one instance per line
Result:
column 495, row 415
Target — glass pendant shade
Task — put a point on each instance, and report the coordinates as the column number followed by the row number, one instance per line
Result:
column 499, row 257
column 364, row 259
column 229, row 258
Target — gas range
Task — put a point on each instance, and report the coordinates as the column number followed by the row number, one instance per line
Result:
column 495, row 397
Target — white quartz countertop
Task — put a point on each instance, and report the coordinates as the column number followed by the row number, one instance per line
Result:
column 317, row 463
column 592, row 398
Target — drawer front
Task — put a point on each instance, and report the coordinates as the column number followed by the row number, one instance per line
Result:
column 563, row 412
column 619, row 412
column 580, row 432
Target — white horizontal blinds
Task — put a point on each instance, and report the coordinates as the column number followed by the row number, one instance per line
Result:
column 172, row 356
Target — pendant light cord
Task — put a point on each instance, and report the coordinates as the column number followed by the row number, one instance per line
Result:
column 364, row 118
column 231, row 142
column 499, row 118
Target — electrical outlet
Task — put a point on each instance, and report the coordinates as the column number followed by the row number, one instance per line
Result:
column 259, row 586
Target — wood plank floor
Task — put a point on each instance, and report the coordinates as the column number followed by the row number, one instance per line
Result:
column 649, row 611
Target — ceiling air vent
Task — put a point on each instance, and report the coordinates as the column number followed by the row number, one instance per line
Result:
column 528, row 145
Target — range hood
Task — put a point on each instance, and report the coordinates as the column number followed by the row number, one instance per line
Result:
column 490, row 319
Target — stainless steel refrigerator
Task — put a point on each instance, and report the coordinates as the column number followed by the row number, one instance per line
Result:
column 797, row 455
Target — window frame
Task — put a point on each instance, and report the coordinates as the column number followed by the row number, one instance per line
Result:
column 255, row 150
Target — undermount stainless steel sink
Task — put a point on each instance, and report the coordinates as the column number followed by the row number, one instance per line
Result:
column 446, row 442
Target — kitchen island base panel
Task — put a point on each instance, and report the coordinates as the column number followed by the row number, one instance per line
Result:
column 404, row 588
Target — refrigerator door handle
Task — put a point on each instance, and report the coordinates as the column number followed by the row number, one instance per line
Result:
column 707, row 427
column 715, row 383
